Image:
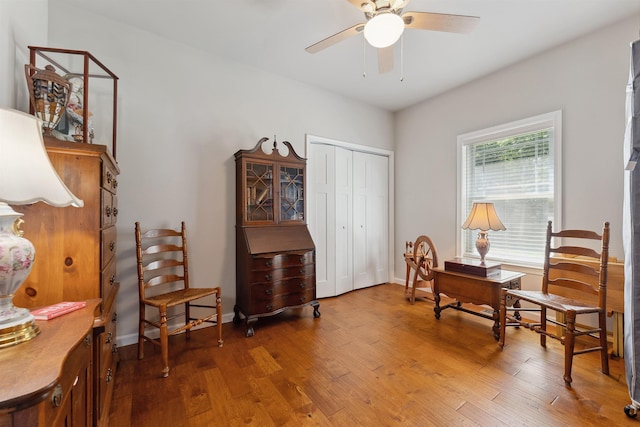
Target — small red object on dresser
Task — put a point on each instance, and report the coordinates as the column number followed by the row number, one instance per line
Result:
column 58, row 309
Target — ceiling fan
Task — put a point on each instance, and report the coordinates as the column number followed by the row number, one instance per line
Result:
column 386, row 22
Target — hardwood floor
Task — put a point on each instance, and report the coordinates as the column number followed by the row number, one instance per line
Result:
column 372, row 359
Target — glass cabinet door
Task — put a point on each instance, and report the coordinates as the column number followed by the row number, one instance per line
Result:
column 291, row 193
column 259, row 188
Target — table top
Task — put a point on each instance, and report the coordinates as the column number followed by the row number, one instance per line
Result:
column 504, row 276
column 30, row 369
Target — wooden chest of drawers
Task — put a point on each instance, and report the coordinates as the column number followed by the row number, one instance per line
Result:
column 270, row 278
column 281, row 280
column 75, row 252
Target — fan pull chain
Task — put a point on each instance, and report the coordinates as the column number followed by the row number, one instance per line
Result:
column 364, row 57
column 402, row 58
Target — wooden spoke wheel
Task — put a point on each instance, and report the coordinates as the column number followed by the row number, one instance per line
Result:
column 424, row 259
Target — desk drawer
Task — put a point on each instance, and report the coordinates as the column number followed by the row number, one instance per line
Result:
column 275, row 275
column 269, row 291
column 108, row 248
column 275, row 261
column 282, row 301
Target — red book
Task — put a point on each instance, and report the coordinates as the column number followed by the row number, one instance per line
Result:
column 55, row 310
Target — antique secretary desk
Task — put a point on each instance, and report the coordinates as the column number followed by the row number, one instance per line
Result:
column 275, row 255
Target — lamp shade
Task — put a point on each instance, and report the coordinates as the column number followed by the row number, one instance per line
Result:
column 483, row 216
column 383, row 30
column 26, row 173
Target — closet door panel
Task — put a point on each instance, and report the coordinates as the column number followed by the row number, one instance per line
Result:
column 343, row 254
column 370, row 176
column 378, row 224
column 322, row 222
column 362, row 269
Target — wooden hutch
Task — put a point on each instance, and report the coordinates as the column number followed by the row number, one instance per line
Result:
column 275, row 255
column 76, row 247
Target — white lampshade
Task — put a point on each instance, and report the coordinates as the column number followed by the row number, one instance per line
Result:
column 483, row 216
column 384, row 29
column 26, row 173
column 26, row 176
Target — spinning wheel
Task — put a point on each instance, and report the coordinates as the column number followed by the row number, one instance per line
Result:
column 422, row 257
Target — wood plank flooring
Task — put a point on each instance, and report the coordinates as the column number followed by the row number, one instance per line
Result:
column 371, row 359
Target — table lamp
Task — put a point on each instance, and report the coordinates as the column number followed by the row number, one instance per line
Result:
column 26, row 176
column 483, row 216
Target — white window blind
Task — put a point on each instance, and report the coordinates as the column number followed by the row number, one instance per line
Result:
column 515, row 166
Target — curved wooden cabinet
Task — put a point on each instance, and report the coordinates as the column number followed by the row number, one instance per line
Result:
column 48, row 381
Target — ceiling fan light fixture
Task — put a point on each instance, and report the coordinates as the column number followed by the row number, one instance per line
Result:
column 383, row 30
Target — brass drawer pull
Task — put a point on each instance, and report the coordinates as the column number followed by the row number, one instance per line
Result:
column 109, row 375
column 269, row 307
column 268, row 276
column 56, row 397
column 109, row 338
column 303, row 285
column 112, row 246
column 112, row 280
column 268, row 291
column 108, row 210
column 268, row 263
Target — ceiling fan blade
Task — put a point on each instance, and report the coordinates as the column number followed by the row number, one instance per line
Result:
column 440, row 22
column 358, row 4
column 385, row 59
column 398, row 4
column 338, row 37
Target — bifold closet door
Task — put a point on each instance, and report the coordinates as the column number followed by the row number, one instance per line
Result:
column 370, row 219
column 348, row 206
column 321, row 220
column 344, row 220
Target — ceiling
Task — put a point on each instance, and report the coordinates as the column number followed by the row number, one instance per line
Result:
column 272, row 34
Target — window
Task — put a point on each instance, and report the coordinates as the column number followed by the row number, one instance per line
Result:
column 517, row 167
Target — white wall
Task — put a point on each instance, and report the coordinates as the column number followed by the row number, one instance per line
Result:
column 22, row 23
column 182, row 116
column 585, row 78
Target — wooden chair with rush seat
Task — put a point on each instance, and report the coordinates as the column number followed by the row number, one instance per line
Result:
column 163, row 283
column 570, row 287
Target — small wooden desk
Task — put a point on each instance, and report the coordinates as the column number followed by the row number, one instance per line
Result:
column 49, row 379
column 477, row 290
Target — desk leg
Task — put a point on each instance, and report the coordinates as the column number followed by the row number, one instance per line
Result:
column 496, row 324
column 436, row 307
column 618, row 334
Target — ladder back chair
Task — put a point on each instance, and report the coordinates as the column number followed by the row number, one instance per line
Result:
column 163, row 283
column 421, row 257
column 574, row 282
